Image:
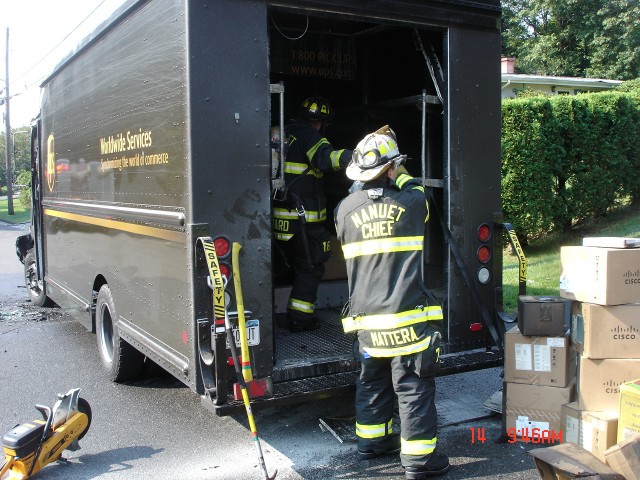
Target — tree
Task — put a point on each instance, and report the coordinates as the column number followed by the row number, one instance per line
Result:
column 576, row 38
column 20, row 156
column 549, row 37
column 616, row 44
column 21, row 144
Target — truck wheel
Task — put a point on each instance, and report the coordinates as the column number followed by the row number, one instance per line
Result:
column 36, row 289
column 120, row 359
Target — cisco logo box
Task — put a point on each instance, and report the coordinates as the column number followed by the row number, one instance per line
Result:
column 604, row 276
column 599, row 331
column 599, row 382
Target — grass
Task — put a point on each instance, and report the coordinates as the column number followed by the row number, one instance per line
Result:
column 20, row 213
column 543, row 256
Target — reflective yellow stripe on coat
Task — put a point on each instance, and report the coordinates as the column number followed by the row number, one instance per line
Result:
column 404, row 178
column 295, row 168
column 383, row 245
column 392, row 320
column 311, row 216
column 335, row 159
column 283, row 236
column 410, row 349
column 312, row 151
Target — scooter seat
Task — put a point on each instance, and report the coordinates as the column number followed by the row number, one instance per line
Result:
column 23, row 439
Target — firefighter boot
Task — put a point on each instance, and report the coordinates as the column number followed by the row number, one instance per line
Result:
column 297, row 324
column 437, row 464
column 390, row 446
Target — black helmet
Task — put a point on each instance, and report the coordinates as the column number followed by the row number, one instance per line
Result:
column 316, row 108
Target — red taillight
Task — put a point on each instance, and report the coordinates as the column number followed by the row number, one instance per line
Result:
column 258, row 387
column 475, row 327
column 222, row 246
column 225, row 270
column 484, row 254
column 484, row 233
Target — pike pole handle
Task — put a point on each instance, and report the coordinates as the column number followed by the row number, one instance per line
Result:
column 242, row 325
column 245, row 397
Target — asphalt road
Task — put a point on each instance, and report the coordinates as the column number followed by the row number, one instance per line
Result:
column 156, row 428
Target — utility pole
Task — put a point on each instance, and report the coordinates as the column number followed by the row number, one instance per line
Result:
column 8, row 135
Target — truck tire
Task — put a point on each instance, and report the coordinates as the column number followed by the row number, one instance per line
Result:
column 37, row 291
column 120, row 360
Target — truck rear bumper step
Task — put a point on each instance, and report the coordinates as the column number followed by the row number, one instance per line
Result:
column 324, row 386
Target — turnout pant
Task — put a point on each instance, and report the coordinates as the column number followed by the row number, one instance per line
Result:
column 412, row 379
column 306, row 276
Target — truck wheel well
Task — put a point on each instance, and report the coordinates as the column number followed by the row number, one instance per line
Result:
column 97, row 285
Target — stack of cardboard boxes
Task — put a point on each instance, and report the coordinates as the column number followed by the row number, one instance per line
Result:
column 580, row 386
column 539, row 370
column 602, row 280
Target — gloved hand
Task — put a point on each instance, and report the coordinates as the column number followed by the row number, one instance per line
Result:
column 400, row 170
column 399, row 160
column 356, row 186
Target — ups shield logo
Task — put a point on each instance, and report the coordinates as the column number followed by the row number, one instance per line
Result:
column 51, row 163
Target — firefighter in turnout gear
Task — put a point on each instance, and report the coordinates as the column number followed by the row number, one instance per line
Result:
column 381, row 229
column 299, row 222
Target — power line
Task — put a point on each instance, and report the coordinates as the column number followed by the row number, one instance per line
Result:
column 24, row 74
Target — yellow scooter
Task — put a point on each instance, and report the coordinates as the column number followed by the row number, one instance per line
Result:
column 31, row 446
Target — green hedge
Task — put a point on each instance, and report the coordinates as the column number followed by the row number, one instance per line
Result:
column 568, row 158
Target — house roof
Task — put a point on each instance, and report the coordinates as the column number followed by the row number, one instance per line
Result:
column 560, row 81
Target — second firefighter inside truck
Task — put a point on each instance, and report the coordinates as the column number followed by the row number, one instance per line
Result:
column 299, row 223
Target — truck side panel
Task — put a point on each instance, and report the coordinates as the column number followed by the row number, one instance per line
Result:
column 116, row 194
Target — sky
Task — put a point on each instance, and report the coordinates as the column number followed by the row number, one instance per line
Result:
column 41, row 33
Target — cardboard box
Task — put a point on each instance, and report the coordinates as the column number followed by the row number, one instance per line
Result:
column 536, row 407
column 600, row 433
column 606, row 332
column 572, row 423
column 568, row 460
column 629, row 424
column 593, row 431
column 541, row 315
column 613, row 242
column 606, row 276
column 599, row 382
column 624, row 458
column 538, row 360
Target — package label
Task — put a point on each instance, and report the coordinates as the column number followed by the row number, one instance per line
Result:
column 524, row 422
column 523, row 356
column 541, row 358
column 572, row 430
column 557, row 342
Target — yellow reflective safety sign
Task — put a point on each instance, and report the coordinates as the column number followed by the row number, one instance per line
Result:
column 216, row 278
